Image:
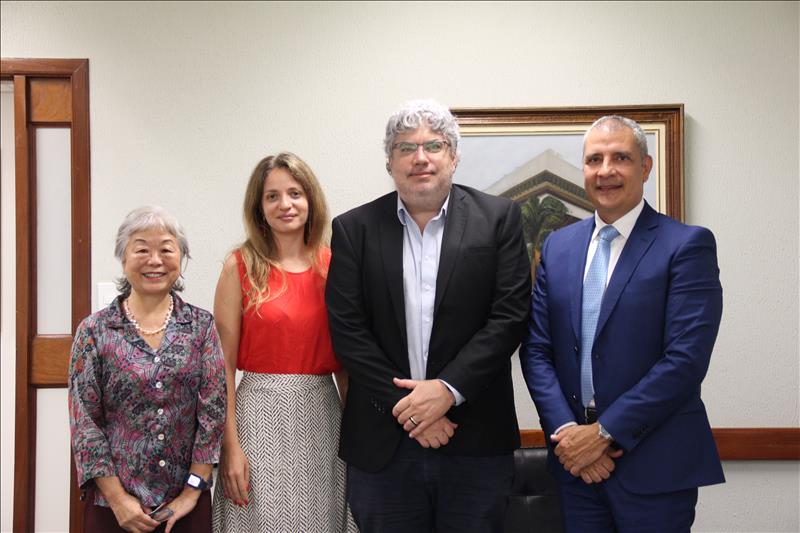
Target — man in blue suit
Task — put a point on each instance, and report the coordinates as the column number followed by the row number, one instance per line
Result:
column 624, row 315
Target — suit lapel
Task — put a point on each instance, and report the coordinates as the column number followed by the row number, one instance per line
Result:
column 639, row 242
column 577, row 262
column 454, row 227
column 391, row 246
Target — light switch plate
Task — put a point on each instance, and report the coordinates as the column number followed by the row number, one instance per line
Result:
column 106, row 292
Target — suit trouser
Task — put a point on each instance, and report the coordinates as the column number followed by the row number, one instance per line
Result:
column 422, row 489
column 608, row 507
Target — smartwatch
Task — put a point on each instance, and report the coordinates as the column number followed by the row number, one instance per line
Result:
column 196, row 482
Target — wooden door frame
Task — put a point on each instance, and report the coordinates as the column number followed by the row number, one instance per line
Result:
column 40, row 359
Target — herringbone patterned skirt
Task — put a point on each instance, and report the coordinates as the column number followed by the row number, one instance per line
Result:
column 289, row 430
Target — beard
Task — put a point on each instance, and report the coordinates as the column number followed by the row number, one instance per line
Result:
column 428, row 197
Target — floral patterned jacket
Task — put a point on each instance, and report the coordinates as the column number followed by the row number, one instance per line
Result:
column 146, row 415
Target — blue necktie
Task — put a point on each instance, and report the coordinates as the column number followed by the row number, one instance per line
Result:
column 593, row 288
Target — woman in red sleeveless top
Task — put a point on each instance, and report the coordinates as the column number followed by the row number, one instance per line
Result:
column 279, row 469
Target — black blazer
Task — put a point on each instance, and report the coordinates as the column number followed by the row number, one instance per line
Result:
column 480, row 311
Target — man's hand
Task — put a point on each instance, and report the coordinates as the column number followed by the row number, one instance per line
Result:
column 601, row 469
column 437, row 434
column 579, row 446
column 427, row 402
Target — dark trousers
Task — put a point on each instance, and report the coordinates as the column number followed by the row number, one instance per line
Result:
column 98, row 519
column 424, row 490
column 608, row 507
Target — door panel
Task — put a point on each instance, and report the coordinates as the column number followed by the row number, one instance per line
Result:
column 52, row 460
column 48, row 93
column 53, row 232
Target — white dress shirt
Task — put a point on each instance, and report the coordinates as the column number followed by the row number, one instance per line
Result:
column 421, row 251
column 624, row 225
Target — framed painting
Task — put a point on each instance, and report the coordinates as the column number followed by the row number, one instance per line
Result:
column 534, row 157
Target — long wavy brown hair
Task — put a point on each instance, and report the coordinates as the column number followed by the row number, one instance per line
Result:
column 260, row 250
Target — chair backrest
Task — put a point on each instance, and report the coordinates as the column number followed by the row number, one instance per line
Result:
column 533, row 505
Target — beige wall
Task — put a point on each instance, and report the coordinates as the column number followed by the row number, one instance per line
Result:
column 185, row 98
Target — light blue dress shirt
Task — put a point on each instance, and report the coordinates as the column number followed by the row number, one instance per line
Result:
column 624, row 225
column 421, row 251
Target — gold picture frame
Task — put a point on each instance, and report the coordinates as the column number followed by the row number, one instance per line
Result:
column 534, row 157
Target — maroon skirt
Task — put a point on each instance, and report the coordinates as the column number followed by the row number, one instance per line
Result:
column 99, row 519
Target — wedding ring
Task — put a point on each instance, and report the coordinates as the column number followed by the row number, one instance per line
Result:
column 413, row 421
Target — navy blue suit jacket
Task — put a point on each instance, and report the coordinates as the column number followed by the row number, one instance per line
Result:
column 658, row 322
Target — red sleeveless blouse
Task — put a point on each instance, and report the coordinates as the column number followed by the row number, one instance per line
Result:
column 289, row 334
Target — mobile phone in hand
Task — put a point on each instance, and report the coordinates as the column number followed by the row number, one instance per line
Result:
column 160, row 513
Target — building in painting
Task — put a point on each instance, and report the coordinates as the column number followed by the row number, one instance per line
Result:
column 550, row 193
column 547, row 175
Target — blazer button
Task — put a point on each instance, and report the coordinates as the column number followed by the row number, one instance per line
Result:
column 575, row 348
column 574, row 398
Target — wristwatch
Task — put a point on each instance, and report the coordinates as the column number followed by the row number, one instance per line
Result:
column 196, row 482
column 603, row 433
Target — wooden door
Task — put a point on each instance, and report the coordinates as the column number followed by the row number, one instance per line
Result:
column 47, row 93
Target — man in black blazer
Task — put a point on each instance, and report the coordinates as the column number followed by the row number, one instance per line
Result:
column 427, row 297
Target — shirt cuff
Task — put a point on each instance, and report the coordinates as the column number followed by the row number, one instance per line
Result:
column 457, row 395
column 568, row 424
column 604, row 432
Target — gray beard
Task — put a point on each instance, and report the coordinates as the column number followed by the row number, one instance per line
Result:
column 426, row 201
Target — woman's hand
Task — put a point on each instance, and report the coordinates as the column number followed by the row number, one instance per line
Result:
column 234, row 469
column 130, row 514
column 181, row 506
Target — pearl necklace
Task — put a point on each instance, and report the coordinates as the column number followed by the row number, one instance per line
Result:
column 139, row 328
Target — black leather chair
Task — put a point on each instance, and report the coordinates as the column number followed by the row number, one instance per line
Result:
column 533, row 506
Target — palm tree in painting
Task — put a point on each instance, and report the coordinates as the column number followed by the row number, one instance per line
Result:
column 540, row 217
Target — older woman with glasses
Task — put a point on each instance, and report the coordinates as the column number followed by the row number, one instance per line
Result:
column 147, row 391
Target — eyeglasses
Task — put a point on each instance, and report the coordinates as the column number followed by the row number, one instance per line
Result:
column 431, row 147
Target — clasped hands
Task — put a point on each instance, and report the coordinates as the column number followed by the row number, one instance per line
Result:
column 422, row 411
column 134, row 517
column 583, row 452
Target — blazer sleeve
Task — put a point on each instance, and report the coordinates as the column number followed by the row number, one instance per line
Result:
column 353, row 340
column 693, row 310
column 537, row 357
column 488, row 351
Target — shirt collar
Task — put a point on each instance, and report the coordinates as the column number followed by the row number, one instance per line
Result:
column 402, row 212
column 116, row 316
column 624, row 224
column 182, row 310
